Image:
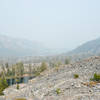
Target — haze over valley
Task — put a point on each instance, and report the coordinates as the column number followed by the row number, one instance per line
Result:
column 49, row 50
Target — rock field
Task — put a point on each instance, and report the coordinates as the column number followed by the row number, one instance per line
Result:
column 45, row 86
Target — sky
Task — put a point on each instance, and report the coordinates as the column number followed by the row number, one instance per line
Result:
column 55, row 23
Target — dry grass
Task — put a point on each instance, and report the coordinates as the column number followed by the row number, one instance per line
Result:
column 91, row 84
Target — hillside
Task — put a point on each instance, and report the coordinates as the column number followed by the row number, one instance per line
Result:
column 91, row 47
column 88, row 49
column 60, row 84
column 20, row 47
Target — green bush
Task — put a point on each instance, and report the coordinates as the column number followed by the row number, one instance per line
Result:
column 96, row 77
column 3, row 85
column 17, row 80
column 40, row 69
column 76, row 76
column 37, row 73
column 58, row 91
column 17, row 87
column 43, row 67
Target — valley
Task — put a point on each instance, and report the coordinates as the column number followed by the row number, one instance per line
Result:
column 49, row 50
column 59, row 77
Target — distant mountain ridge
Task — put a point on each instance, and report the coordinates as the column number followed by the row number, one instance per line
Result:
column 91, row 47
column 20, row 47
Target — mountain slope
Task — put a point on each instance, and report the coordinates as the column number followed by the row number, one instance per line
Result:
column 20, row 47
column 91, row 47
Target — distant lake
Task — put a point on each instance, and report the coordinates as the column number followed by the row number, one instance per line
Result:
column 24, row 79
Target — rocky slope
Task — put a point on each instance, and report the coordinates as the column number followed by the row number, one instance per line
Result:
column 45, row 86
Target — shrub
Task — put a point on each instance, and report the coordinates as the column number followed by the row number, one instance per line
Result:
column 96, row 77
column 37, row 73
column 17, row 87
column 43, row 67
column 3, row 85
column 57, row 68
column 17, row 80
column 76, row 76
column 58, row 91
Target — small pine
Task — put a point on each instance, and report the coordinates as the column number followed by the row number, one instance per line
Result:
column 76, row 76
column 17, row 87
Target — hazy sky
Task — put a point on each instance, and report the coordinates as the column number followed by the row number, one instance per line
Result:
column 55, row 23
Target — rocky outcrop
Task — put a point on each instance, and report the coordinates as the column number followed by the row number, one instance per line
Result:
column 45, row 86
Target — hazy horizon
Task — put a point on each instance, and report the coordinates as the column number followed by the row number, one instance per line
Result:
column 55, row 23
